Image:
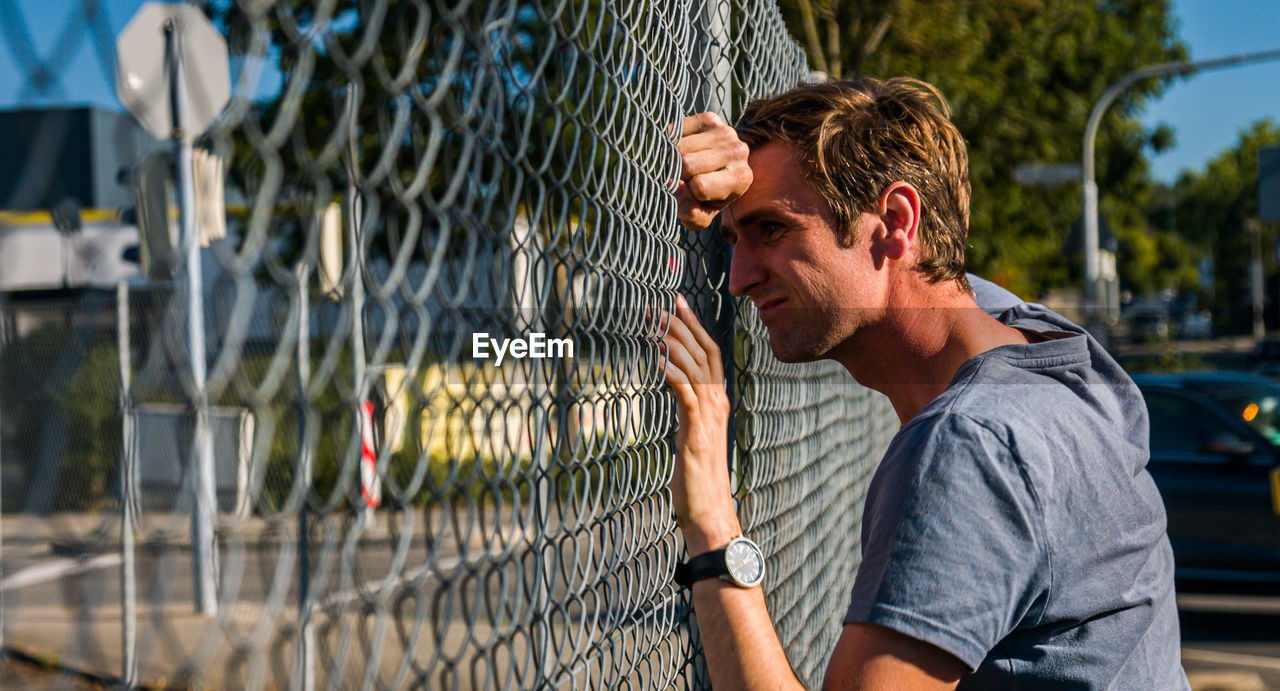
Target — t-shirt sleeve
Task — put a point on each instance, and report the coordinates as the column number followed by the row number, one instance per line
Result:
column 953, row 540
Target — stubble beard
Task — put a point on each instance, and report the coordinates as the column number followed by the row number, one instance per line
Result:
column 803, row 340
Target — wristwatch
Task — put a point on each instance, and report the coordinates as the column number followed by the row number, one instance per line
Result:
column 741, row 563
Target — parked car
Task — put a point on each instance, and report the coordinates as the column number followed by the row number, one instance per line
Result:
column 1215, row 455
column 1266, row 349
column 1148, row 325
column 1196, row 325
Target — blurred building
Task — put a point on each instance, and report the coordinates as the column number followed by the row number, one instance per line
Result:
column 65, row 183
column 82, row 154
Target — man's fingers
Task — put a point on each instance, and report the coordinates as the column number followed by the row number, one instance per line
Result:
column 718, row 137
column 708, row 346
column 689, row 347
column 679, row 382
column 657, row 323
column 699, row 122
column 695, row 215
column 678, row 355
column 711, row 160
column 680, row 344
column 681, row 334
column 721, row 187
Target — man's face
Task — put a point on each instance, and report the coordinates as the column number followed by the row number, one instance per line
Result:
column 812, row 293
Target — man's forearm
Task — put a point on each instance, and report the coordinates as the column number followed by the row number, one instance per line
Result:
column 738, row 639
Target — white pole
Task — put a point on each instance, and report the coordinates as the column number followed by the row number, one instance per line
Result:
column 1090, row 305
column 128, row 568
column 1257, row 281
column 203, row 545
column 307, row 642
column 355, row 251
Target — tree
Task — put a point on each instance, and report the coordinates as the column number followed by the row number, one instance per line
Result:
column 1021, row 76
column 1210, row 209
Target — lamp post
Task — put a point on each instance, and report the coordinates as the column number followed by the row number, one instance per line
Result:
column 1090, row 187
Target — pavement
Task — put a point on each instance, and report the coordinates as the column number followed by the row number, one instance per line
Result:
column 64, row 610
column 1230, row 642
column 64, row 628
column 64, row 623
column 65, row 618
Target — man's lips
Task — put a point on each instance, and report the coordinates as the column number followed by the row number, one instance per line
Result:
column 769, row 305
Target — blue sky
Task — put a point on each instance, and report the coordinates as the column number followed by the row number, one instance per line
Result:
column 1207, row 111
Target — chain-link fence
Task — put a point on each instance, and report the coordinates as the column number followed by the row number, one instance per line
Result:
column 340, row 492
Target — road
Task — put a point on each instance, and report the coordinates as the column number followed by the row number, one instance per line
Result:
column 457, row 609
column 1231, row 642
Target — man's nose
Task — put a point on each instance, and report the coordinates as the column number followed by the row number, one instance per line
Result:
column 745, row 273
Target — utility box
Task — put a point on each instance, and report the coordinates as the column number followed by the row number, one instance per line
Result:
column 162, row 450
column 1269, row 183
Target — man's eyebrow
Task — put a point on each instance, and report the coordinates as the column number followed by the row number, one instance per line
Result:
column 759, row 215
column 739, row 222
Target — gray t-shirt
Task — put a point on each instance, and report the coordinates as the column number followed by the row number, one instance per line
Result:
column 1012, row 522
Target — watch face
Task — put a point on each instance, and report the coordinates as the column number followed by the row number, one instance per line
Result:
column 745, row 562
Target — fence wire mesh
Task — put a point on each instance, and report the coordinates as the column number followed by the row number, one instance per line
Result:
column 383, row 509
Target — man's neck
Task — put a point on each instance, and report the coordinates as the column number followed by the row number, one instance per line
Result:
column 913, row 353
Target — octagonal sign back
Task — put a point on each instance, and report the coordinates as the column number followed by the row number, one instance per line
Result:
column 142, row 81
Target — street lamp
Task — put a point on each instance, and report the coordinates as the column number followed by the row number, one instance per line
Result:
column 1090, row 190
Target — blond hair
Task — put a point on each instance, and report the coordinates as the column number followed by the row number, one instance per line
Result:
column 858, row 136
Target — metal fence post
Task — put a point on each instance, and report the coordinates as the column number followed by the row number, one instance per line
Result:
column 128, row 493
column 306, row 628
column 203, row 544
column 353, row 213
column 720, row 100
column 713, row 93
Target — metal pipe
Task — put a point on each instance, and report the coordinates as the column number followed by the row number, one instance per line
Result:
column 203, row 544
column 306, row 680
column 128, row 494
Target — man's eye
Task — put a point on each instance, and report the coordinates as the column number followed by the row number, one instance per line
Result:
column 771, row 229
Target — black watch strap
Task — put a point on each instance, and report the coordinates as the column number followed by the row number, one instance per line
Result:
column 703, row 566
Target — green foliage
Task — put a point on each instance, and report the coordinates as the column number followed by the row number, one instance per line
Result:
column 1209, row 212
column 61, row 407
column 1021, row 76
column 451, row 120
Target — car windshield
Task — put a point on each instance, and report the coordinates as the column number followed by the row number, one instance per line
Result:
column 1258, row 405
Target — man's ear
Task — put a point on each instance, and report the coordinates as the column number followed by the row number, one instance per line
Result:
column 900, row 213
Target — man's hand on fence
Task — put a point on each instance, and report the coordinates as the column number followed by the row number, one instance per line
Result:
column 713, row 169
column 700, row 481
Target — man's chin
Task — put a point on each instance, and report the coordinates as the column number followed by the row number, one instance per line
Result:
column 789, row 350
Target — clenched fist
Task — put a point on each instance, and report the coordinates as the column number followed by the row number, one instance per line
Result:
column 713, row 169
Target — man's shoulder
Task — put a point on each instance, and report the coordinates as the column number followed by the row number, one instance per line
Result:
column 1014, row 311
column 990, row 297
column 949, row 433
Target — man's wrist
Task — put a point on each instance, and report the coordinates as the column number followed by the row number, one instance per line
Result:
column 710, row 534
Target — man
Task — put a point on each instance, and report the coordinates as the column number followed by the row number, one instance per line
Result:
column 1011, row 536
